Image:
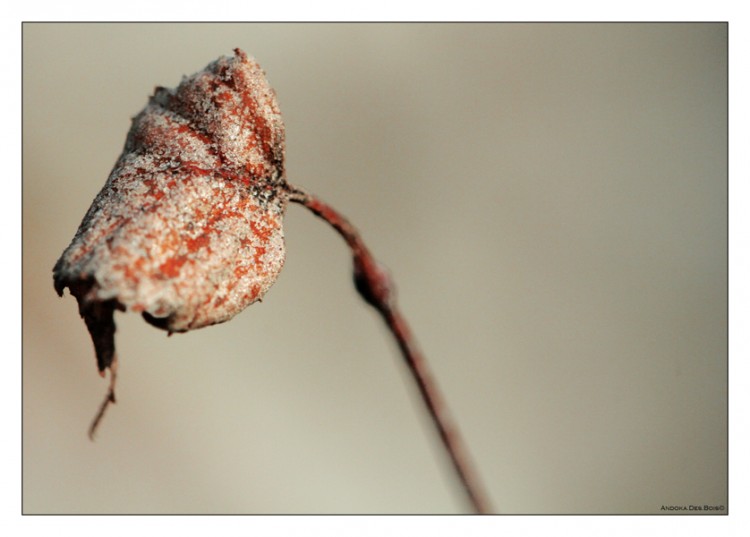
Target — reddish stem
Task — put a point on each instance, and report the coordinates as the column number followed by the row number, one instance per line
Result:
column 375, row 286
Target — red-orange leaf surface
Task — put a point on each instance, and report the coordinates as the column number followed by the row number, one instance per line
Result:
column 188, row 227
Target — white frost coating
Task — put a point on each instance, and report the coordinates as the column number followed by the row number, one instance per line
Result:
column 188, row 227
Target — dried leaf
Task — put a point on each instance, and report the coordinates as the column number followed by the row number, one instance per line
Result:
column 188, row 227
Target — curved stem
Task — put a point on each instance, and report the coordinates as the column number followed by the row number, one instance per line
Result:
column 376, row 288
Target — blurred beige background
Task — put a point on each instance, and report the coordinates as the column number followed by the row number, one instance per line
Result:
column 551, row 200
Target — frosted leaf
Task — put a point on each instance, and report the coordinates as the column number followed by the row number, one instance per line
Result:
column 187, row 230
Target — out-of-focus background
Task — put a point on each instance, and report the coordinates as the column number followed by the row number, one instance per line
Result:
column 551, row 200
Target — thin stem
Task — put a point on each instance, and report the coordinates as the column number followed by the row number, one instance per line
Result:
column 376, row 288
column 108, row 398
